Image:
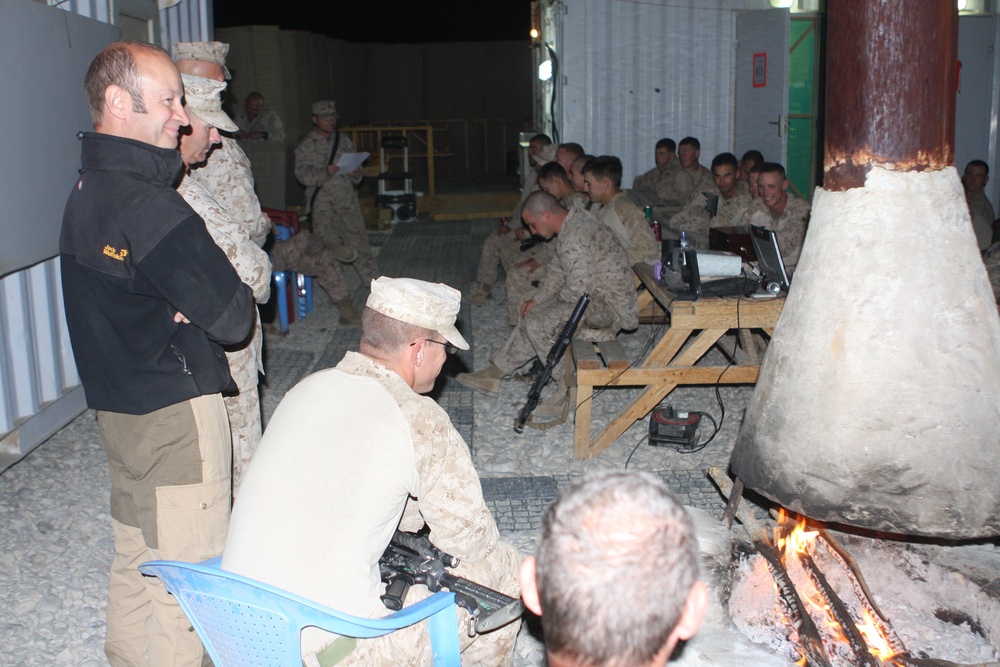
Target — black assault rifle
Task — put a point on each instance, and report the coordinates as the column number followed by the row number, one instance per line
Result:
column 555, row 354
column 412, row 559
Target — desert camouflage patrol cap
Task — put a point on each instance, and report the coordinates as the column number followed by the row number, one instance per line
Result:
column 209, row 52
column 325, row 109
column 201, row 98
column 546, row 155
column 429, row 305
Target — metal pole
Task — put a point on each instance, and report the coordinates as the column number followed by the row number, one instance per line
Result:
column 891, row 73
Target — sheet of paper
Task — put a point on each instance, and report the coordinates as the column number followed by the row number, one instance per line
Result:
column 348, row 162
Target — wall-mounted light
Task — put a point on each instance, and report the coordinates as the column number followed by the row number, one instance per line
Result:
column 781, row 4
column 545, row 71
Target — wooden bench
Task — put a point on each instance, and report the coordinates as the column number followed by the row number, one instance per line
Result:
column 591, row 364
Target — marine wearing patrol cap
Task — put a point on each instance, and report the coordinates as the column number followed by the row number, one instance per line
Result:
column 325, row 109
column 429, row 305
column 209, row 52
column 201, row 97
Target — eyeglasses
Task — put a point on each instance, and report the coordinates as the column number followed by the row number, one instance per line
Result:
column 448, row 347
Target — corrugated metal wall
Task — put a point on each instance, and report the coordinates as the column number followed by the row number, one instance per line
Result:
column 39, row 386
column 634, row 72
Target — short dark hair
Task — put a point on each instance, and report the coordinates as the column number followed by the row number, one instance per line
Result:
column 539, row 201
column 725, row 159
column 574, row 149
column 616, row 561
column 552, row 170
column 753, row 155
column 255, row 96
column 691, row 141
column 978, row 163
column 605, row 166
column 116, row 66
column 541, row 138
column 667, row 143
column 773, row 168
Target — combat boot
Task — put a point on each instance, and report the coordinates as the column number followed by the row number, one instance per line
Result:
column 486, row 381
column 480, row 295
column 552, row 410
column 342, row 253
column 348, row 316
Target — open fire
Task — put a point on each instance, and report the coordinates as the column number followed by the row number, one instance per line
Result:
column 800, row 592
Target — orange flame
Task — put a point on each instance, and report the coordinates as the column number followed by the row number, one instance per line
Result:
column 878, row 645
column 798, row 540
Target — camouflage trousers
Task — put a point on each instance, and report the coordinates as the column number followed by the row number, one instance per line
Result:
column 306, row 254
column 535, row 334
column 411, row 646
column 519, row 288
column 245, row 424
column 497, row 251
column 337, row 218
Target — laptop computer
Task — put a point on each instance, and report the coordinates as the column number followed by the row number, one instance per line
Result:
column 772, row 269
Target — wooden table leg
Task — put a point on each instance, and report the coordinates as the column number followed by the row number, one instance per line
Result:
column 581, row 429
column 749, row 344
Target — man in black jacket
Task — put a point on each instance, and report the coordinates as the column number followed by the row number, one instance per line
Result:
column 150, row 299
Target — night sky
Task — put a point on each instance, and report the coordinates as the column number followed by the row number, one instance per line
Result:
column 386, row 21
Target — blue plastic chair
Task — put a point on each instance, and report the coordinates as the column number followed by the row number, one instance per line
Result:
column 286, row 282
column 243, row 622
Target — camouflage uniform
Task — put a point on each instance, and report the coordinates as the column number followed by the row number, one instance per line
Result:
column 254, row 269
column 267, row 121
column 628, row 224
column 678, row 185
column 982, row 218
column 505, row 250
column 584, row 261
column 227, row 177
column 519, row 280
column 695, row 219
column 650, row 181
column 451, row 504
column 336, row 213
column 306, row 254
column 790, row 226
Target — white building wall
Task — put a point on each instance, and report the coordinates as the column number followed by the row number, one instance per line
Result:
column 39, row 385
column 634, row 72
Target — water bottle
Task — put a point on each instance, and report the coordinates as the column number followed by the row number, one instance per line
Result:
column 683, row 242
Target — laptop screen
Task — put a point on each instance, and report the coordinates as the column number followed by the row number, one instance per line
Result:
column 765, row 245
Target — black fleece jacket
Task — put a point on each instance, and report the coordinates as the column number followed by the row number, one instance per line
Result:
column 133, row 253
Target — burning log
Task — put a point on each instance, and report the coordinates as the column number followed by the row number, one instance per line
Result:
column 808, row 634
column 864, row 595
column 855, row 640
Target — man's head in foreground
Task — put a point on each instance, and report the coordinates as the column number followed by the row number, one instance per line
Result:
column 408, row 325
column 615, row 575
column 135, row 91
